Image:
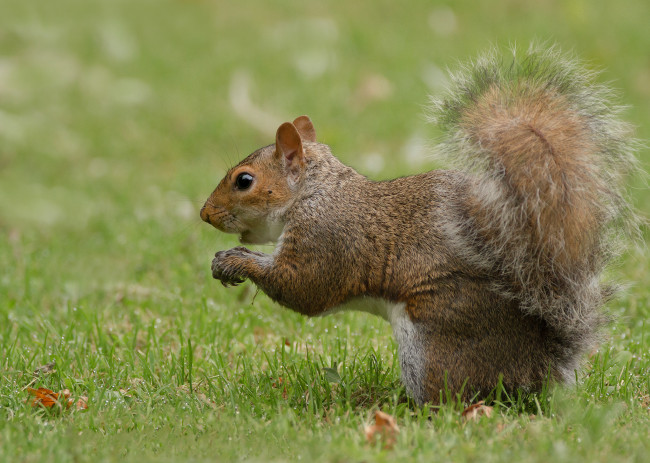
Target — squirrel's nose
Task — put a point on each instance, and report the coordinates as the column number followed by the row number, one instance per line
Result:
column 204, row 215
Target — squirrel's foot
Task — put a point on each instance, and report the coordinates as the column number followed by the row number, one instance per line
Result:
column 228, row 266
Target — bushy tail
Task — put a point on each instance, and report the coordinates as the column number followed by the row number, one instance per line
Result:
column 547, row 207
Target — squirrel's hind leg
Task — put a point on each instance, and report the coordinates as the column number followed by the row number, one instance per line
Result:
column 468, row 341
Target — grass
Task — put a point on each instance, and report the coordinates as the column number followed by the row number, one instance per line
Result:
column 116, row 121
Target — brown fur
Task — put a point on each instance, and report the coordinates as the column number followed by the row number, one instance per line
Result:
column 498, row 274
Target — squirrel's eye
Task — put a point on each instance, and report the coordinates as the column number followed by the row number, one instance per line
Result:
column 244, row 181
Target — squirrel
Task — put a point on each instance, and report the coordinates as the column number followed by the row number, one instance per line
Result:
column 487, row 274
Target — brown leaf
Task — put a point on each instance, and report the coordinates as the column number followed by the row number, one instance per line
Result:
column 47, row 398
column 82, row 403
column 46, row 369
column 475, row 411
column 385, row 428
column 278, row 383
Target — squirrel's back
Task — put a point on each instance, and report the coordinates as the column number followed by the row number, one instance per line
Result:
column 546, row 205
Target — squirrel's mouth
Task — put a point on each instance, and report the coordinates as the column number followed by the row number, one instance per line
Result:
column 260, row 231
column 220, row 218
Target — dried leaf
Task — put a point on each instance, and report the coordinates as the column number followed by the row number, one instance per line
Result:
column 82, row 403
column 278, row 383
column 46, row 369
column 47, row 398
column 44, row 397
column 475, row 411
column 385, row 428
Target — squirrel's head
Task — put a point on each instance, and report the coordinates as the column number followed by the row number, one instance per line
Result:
column 253, row 195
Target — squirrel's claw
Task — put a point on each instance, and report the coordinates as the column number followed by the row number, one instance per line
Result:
column 227, row 267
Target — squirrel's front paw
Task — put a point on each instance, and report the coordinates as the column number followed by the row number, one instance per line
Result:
column 228, row 266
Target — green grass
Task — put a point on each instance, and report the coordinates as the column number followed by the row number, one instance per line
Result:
column 117, row 120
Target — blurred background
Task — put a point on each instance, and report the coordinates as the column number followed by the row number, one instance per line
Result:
column 118, row 118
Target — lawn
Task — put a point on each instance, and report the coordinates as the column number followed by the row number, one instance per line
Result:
column 118, row 118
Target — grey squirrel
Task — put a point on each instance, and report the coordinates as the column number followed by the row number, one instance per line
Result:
column 493, row 270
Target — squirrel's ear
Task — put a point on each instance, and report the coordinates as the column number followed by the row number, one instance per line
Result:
column 305, row 128
column 289, row 146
